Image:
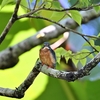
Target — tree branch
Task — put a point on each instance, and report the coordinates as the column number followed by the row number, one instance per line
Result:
column 20, row 91
column 66, row 28
column 9, row 57
column 70, row 76
column 60, row 24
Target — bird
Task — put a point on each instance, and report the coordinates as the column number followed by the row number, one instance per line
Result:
column 47, row 55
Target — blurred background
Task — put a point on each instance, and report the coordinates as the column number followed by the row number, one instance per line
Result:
column 44, row 87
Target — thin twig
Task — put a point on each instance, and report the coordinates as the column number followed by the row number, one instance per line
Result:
column 35, row 4
column 67, row 29
column 67, row 9
column 83, row 57
column 10, row 22
column 90, row 44
column 72, row 8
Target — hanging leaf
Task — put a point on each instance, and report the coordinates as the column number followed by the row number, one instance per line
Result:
column 75, row 61
column 83, row 61
column 67, row 58
column 91, row 56
column 76, row 16
column 60, row 51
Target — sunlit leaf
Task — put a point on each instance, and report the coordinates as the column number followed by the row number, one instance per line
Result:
column 56, row 4
column 86, row 44
column 91, row 56
column 67, row 58
column 76, row 16
column 91, row 42
column 60, row 51
column 83, row 3
column 55, row 15
column 97, row 48
column 97, row 8
column 75, row 61
column 58, row 60
column 82, row 54
column 24, row 4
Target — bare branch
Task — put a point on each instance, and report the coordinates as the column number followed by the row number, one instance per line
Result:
column 10, row 22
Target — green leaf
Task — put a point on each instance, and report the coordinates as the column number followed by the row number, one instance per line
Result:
column 82, row 54
column 97, row 8
column 76, row 16
column 97, row 48
column 98, row 35
column 75, row 61
column 58, row 60
column 91, row 42
column 91, row 56
column 86, row 44
column 85, row 50
column 5, row 2
column 56, row 4
column 68, row 55
column 67, row 58
column 83, row 3
column 60, row 51
column 56, row 15
column 25, row 4
column 83, row 61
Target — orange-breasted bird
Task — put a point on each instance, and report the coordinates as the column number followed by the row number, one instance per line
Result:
column 47, row 55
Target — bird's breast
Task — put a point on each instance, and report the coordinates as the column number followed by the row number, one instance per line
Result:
column 46, row 57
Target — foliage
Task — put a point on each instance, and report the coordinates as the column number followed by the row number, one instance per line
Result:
column 49, row 88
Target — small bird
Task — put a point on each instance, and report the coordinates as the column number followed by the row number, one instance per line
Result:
column 47, row 55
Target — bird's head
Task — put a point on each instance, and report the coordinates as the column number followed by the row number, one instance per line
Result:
column 46, row 44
